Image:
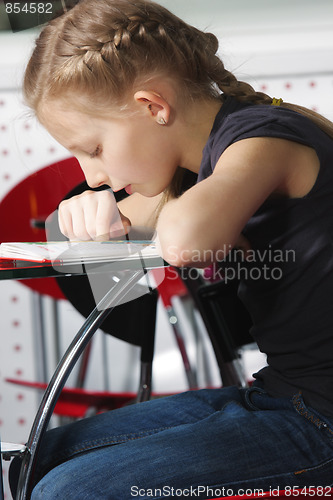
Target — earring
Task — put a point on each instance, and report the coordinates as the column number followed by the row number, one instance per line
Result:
column 161, row 121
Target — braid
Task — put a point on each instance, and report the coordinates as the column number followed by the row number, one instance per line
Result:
column 242, row 91
column 105, row 49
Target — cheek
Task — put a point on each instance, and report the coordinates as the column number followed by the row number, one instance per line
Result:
column 139, row 156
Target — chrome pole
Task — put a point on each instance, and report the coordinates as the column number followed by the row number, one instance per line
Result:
column 111, row 299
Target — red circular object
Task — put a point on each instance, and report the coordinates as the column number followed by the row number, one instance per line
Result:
column 34, row 198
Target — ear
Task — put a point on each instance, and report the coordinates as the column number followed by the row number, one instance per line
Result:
column 157, row 107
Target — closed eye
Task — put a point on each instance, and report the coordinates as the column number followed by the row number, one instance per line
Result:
column 97, row 152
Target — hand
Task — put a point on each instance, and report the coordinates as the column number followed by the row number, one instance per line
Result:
column 92, row 215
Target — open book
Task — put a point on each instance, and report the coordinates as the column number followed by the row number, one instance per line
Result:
column 78, row 251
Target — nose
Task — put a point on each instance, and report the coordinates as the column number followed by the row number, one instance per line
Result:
column 95, row 177
column 95, row 184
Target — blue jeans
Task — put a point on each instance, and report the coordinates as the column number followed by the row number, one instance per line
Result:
column 199, row 444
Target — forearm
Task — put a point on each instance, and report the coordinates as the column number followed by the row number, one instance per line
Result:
column 188, row 237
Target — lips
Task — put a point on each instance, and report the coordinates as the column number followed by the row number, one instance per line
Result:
column 128, row 189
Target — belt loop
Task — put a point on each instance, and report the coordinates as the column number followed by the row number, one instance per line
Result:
column 249, row 392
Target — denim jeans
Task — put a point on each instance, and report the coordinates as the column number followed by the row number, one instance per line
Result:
column 200, row 444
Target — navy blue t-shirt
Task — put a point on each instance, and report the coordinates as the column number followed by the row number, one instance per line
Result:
column 287, row 283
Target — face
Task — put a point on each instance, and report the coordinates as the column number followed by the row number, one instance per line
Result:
column 132, row 152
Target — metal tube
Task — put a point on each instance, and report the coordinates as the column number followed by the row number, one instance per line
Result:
column 63, row 370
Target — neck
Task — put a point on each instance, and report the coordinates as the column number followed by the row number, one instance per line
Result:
column 196, row 128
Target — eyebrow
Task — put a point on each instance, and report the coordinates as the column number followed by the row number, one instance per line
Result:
column 75, row 147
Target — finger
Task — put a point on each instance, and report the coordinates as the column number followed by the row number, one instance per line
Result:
column 89, row 210
column 79, row 224
column 107, row 213
column 120, row 227
column 65, row 222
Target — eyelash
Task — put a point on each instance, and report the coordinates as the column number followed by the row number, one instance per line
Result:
column 97, row 152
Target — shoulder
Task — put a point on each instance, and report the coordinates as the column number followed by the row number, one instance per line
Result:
column 282, row 142
column 240, row 121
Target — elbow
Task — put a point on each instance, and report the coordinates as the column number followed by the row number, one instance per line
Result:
column 179, row 253
column 173, row 243
column 175, row 254
column 183, row 243
column 180, row 250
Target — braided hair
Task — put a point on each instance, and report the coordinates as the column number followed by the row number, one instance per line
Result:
column 100, row 51
column 104, row 48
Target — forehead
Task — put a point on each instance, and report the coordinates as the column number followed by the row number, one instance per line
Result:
column 58, row 112
column 67, row 125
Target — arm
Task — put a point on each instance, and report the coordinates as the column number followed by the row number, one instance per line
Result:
column 211, row 215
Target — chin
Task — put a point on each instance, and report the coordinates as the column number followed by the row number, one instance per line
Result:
column 149, row 193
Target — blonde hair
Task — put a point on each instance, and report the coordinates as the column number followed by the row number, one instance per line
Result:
column 99, row 51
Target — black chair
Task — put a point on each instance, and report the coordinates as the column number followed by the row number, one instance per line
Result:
column 133, row 322
column 226, row 319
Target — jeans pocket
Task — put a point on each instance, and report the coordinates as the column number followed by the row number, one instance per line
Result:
column 313, row 416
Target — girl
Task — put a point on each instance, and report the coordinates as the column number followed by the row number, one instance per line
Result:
column 140, row 97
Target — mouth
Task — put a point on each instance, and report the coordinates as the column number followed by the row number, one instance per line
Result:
column 128, row 189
